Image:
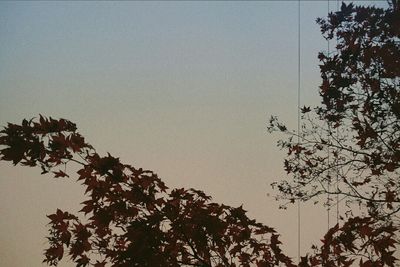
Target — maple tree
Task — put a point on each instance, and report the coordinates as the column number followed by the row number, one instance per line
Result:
column 132, row 219
column 349, row 146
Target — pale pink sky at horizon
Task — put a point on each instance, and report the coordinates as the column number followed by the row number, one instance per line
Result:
column 182, row 88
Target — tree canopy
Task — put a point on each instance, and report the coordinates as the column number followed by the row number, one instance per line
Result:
column 350, row 144
column 131, row 218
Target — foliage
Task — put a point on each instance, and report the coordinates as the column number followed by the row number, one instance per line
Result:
column 349, row 146
column 360, row 241
column 131, row 218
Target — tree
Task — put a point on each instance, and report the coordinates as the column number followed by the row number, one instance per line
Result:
column 131, row 218
column 349, row 146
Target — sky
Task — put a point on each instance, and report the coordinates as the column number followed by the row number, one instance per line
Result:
column 181, row 88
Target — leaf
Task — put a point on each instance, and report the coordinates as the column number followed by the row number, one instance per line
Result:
column 391, row 167
column 305, row 109
column 60, row 173
column 88, row 206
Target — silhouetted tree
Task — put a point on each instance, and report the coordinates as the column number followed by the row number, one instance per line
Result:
column 131, row 218
column 350, row 144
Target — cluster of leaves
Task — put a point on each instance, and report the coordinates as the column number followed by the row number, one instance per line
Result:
column 359, row 239
column 131, row 218
column 350, row 145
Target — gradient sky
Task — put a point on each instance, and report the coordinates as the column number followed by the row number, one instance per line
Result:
column 181, row 88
